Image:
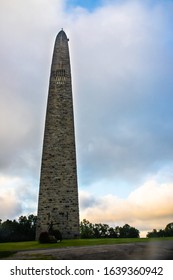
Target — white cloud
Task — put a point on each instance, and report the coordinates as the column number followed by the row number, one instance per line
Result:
column 27, row 31
column 9, row 207
column 17, row 197
column 122, row 64
column 122, row 77
column 147, row 207
column 9, row 204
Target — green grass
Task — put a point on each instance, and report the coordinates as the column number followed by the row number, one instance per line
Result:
column 6, row 254
column 31, row 245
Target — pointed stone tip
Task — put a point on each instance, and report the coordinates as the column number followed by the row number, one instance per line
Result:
column 62, row 34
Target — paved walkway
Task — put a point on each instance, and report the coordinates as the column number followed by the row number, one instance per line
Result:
column 154, row 250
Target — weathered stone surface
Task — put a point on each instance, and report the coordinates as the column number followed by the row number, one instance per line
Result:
column 58, row 197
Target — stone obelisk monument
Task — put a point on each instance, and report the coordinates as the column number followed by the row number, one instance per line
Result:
column 58, row 196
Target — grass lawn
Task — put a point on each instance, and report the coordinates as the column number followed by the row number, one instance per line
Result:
column 30, row 245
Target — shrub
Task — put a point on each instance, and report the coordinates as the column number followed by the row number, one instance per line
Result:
column 52, row 239
column 44, row 237
column 57, row 235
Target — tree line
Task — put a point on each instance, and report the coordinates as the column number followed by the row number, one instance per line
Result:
column 167, row 232
column 89, row 230
column 24, row 229
column 21, row 230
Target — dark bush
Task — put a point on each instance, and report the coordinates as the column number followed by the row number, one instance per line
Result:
column 52, row 239
column 57, row 235
column 44, row 237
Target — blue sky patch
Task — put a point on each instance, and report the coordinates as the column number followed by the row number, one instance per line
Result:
column 87, row 4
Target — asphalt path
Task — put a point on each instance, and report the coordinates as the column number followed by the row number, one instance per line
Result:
column 153, row 250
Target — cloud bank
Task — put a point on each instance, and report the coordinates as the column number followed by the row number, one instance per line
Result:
column 122, row 64
column 148, row 207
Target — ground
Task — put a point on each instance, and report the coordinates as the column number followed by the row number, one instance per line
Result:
column 154, row 250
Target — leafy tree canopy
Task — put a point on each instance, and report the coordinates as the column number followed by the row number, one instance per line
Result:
column 168, row 231
column 21, row 230
column 89, row 230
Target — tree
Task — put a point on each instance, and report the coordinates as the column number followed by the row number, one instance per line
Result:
column 21, row 230
column 27, row 227
column 128, row 232
column 100, row 230
column 161, row 233
column 86, row 229
column 169, row 230
column 112, row 232
column 9, row 231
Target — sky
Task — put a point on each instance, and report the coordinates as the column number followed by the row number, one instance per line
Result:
column 122, row 63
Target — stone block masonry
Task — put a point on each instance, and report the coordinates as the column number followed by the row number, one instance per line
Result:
column 58, row 195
